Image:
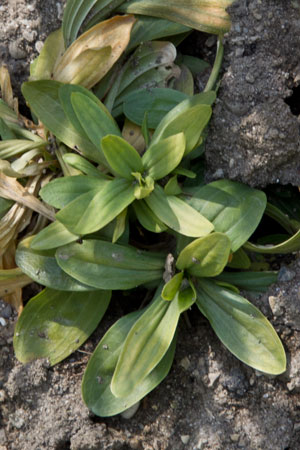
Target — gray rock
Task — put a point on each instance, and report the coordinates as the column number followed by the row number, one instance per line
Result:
column 15, row 49
column 286, row 274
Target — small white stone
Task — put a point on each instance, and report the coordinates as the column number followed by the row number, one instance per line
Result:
column 185, row 438
column 2, row 321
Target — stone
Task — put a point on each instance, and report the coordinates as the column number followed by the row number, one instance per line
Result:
column 16, row 50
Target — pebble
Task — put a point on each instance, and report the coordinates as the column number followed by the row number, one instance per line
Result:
column 275, row 306
column 210, row 42
column 236, row 383
column 286, row 274
column 2, row 396
column 185, row 438
column 249, row 78
column 213, row 377
column 2, row 322
column 234, row 437
column 15, row 50
column 29, row 35
column 185, row 363
column 39, row 46
column 7, row 312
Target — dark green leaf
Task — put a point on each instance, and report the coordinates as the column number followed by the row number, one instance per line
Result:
column 109, row 266
column 156, row 102
column 234, row 208
column 249, row 281
column 41, row 266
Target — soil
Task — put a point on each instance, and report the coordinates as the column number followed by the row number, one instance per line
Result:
column 209, row 400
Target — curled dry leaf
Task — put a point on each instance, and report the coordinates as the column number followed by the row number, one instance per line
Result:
column 97, row 49
column 12, row 279
column 6, row 89
column 13, row 190
column 133, row 134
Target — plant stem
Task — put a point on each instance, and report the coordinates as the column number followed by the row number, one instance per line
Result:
column 216, row 67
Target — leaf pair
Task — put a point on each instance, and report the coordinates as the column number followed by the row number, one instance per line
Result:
column 90, row 265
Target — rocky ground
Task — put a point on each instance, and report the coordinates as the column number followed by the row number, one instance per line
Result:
column 209, row 400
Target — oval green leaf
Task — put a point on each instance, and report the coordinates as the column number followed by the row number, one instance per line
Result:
column 96, row 381
column 62, row 191
column 52, row 236
column 146, row 344
column 109, row 266
column 206, row 256
column 177, row 214
column 41, row 266
column 93, row 210
column 164, row 156
column 43, row 99
column 242, row 328
column 54, row 324
column 234, row 208
column 121, row 156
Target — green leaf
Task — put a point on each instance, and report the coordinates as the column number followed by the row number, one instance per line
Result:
column 93, row 210
column 177, row 214
column 289, row 246
column 249, row 281
column 121, row 156
column 185, row 82
column 109, row 266
column 190, row 117
column 120, row 225
column 234, row 208
column 101, row 366
column 147, row 56
column 82, row 164
column 52, row 236
column 42, row 67
column 94, row 118
column 157, row 102
column 5, row 131
column 242, row 328
column 148, row 29
column 206, row 256
column 147, row 342
column 161, row 158
column 5, row 205
column 147, row 218
column 41, row 266
column 65, row 93
column 240, row 260
column 44, row 101
column 172, row 187
column 62, row 191
column 54, row 324
column 210, row 17
column 196, row 65
column 172, row 287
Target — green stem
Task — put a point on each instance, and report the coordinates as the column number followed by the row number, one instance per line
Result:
column 216, row 67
